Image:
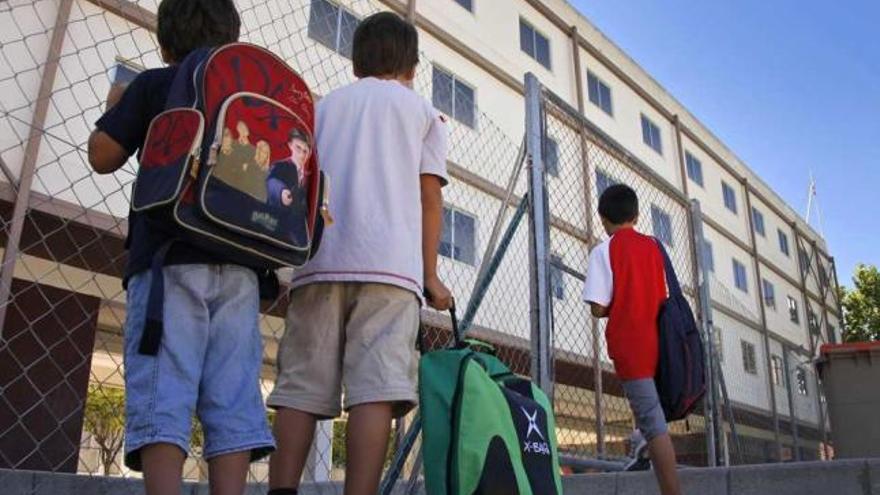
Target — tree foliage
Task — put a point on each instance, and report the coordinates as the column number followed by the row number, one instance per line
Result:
column 105, row 421
column 861, row 305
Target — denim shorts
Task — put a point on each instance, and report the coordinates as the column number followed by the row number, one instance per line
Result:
column 645, row 404
column 208, row 364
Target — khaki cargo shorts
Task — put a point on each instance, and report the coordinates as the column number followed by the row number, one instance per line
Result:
column 351, row 335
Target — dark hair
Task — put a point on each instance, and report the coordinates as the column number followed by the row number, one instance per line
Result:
column 298, row 134
column 619, row 204
column 384, row 45
column 184, row 25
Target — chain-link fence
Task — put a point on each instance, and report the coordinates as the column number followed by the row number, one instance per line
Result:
column 581, row 161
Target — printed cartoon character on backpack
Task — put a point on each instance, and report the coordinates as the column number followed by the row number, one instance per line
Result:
column 284, row 184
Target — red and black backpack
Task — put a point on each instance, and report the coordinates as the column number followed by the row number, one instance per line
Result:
column 230, row 165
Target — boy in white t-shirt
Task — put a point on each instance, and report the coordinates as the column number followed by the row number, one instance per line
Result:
column 354, row 310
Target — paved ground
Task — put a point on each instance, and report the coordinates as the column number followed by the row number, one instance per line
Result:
column 852, row 477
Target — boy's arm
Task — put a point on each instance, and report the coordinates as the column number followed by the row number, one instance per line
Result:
column 599, row 283
column 439, row 296
column 105, row 154
column 108, row 153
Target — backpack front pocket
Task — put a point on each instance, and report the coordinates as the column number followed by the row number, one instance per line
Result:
column 170, row 154
column 256, row 182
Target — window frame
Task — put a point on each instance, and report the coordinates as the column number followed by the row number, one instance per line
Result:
column 649, row 126
column 728, row 193
column 535, row 33
column 559, row 277
column 758, row 224
column 609, row 178
column 794, row 313
column 769, row 297
column 340, row 10
column 778, row 372
column 800, row 376
column 554, row 171
column 737, row 265
column 455, row 211
column 784, row 246
column 598, row 102
column 707, row 245
column 692, row 164
column 471, row 2
column 455, row 81
column 750, row 358
column 665, row 220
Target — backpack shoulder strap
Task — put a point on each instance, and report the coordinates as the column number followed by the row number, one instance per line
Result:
column 671, row 278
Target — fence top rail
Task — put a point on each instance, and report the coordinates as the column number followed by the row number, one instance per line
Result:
column 603, row 139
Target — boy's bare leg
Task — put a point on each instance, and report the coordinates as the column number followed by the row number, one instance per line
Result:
column 369, row 427
column 163, row 468
column 663, row 461
column 294, row 432
column 227, row 473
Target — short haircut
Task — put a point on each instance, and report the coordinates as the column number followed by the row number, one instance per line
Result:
column 185, row 25
column 619, row 204
column 384, row 45
column 298, row 134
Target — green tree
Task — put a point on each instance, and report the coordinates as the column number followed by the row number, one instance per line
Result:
column 105, row 421
column 861, row 305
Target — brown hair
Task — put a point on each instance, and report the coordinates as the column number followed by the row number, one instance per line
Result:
column 385, row 45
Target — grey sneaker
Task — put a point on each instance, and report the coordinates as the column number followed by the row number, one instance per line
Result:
column 638, row 453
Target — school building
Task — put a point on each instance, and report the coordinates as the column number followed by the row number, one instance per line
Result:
column 773, row 281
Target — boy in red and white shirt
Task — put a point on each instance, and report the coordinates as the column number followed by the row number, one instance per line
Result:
column 626, row 283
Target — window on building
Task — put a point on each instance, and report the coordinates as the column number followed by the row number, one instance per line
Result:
column 459, row 236
column 832, row 334
column 750, row 362
column 332, row 26
column 718, row 344
column 793, row 313
column 535, row 44
column 710, row 255
column 557, row 277
column 453, row 97
column 729, row 196
column 551, row 156
column 813, row 322
column 778, row 377
column 758, row 222
column 769, row 294
column 603, row 181
column 468, row 4
column 740, row 276
column 651, row 134
column 694, row 169
column 662, row 224
column 803, row 260
column 823, row 275
column 599, row 93
column 801, row 377
column 783, row 242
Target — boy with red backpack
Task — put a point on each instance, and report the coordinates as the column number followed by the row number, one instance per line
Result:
column 626, row 283
column 209, row 357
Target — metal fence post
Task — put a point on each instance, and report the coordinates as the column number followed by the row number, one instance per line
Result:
column 706, row 322
column 539, row 240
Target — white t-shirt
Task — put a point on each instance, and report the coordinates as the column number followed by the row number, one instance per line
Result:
column 599, row 284
column 375, row 138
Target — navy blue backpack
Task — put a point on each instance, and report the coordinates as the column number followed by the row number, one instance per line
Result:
column 680, row 376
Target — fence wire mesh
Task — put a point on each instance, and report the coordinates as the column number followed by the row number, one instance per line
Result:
column 582, row 161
